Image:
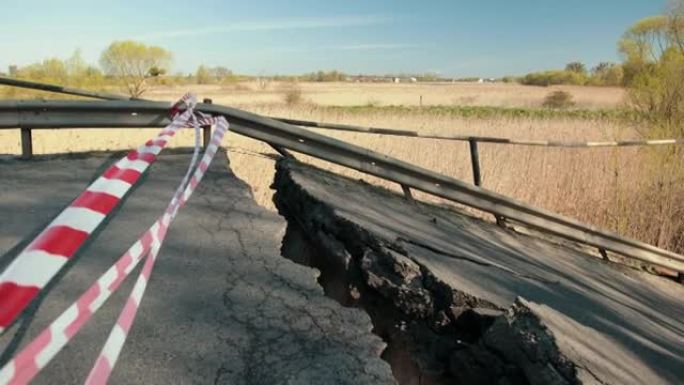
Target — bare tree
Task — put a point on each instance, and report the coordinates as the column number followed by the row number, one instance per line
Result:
column 676, row 23
column 577, row 67
column 132, row 63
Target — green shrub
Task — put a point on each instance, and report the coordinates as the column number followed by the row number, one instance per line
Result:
column 657, row 95
column 607, row 74
column 558, row 100
column 550, row 78
column 325, row 76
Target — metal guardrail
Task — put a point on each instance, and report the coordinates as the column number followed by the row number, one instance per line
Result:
column 474, row 140
column 29, row 115
column 482, row 139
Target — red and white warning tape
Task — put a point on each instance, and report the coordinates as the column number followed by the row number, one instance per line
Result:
column 25, row 365
column 45, row 256
column 110, row 352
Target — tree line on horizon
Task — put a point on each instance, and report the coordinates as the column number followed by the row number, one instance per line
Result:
column 135, row 67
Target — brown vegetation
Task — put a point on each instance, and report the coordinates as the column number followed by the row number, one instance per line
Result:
column 558, row 100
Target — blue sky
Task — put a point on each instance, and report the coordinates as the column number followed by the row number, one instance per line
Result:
column 449, row 37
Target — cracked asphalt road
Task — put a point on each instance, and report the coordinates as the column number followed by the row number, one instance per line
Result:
column 613, row 324
column 222, row 305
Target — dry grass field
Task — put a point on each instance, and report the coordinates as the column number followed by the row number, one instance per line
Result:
column 633, row 191
column 405, row 94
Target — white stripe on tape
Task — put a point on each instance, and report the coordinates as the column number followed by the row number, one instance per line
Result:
column 118, row 337
column 149, row 150
column 154, row 231
column 139, row 289
column 7, row 373
column 138, row 165
column 79, row 218
column 136, row 250
column 166, row 219
column 155, row 237
column 57, row 336
column 107, row 278
column 115, row 187
column 36, row 268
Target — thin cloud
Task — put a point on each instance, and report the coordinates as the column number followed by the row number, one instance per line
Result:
column 277, row 24
column 378, row 46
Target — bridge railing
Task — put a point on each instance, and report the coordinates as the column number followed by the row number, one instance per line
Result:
column 54, row 114
column 119, row 112
column 474, row 140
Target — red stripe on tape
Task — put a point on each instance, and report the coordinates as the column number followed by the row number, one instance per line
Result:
column 146, row 156
column 101, row 370
column 146, row 239
column 96, row 201
column 84, row 312
column 155, row 142
column 27, row 367
column 121, row 266
column 59, row 240
column 128, row 315
column 14, row 299
column 127, row 175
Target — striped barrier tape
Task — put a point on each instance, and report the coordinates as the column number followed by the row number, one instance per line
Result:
column 36, row 355
column 47, row 254
column 110, row 352
column 186, row 99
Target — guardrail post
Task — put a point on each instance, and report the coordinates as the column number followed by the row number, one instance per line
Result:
column 407, row 193
column 475, row 161
column 206, row 130
column 26, row 143
column 282, row 151
column 477, row 176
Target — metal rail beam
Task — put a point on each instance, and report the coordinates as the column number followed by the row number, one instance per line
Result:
column 74, row 114
column 483, row 139
column 59, row 89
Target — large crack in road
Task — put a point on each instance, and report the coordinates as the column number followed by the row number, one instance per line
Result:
column 222, row 306
column 462, row 301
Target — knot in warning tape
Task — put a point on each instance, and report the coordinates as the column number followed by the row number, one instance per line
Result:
column 188, row 100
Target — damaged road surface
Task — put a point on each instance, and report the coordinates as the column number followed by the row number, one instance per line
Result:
column 222, row 306
column 462, row 301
